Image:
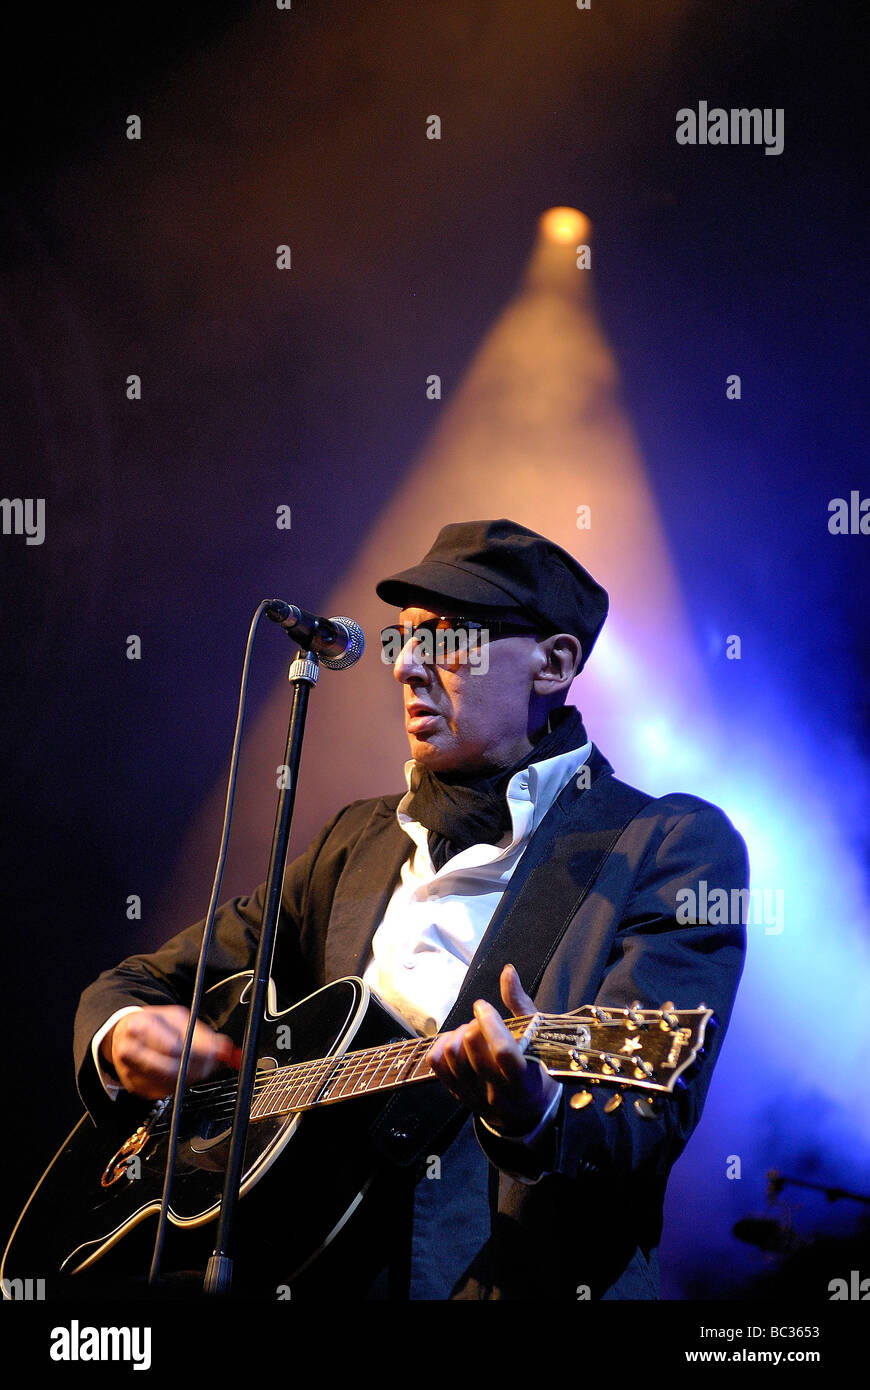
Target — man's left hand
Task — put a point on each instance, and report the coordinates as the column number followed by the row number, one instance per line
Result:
column 481, row 1064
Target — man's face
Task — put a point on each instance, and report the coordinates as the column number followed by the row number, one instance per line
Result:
column 465, row 717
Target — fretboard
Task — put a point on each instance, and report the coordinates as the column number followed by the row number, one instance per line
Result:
column 303, row 1085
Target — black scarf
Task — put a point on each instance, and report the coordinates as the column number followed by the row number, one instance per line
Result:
column 459, row 810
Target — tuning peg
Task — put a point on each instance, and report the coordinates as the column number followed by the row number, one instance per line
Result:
column 668, row 1019
column 613, row 1104
column 580, row 1100
column 646, row 1107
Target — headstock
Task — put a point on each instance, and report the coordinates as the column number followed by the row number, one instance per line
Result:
column 629, row 1049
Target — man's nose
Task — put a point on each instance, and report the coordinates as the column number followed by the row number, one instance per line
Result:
column 408, row 666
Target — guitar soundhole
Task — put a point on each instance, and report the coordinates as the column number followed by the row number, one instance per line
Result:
column 213, row 1132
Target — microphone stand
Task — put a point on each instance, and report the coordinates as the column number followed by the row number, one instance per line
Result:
column 219, row 1272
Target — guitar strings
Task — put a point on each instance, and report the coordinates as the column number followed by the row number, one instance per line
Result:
column 348, row 1068
column 300, row 1075
column 352, row 1063
column 367, row 1056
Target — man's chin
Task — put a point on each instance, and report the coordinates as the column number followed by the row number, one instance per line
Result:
column 424, row 750
column 427, row 753
column 446, row 761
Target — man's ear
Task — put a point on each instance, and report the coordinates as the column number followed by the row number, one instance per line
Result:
column 563, row 654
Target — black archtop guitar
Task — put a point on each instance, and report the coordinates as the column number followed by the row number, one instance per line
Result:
column 307, row 1163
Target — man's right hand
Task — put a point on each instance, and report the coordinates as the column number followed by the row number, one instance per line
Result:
column 145, row 1047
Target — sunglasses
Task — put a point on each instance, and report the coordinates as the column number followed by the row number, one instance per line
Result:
column 446, row 641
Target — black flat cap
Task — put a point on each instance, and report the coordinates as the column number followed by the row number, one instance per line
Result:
column 500, row 566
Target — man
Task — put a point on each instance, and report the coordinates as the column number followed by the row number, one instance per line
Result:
column 513, row 836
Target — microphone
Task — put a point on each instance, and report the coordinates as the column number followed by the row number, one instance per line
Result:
column 337, row 642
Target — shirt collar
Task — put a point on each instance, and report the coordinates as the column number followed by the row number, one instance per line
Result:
column 538, row 785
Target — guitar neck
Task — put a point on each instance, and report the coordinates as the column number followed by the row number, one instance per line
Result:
column 642, row 1049
column 305, row 1085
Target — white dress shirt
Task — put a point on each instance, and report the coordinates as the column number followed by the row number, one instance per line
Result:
column 436, row 918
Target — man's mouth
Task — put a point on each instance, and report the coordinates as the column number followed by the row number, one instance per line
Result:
column 420, row 718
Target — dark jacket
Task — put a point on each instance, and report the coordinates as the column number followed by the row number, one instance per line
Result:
column 591, row 1225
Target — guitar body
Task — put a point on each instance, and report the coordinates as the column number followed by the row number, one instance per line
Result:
column 91, row 1220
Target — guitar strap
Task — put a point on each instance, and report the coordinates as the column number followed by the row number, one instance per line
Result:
column 560, row 866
